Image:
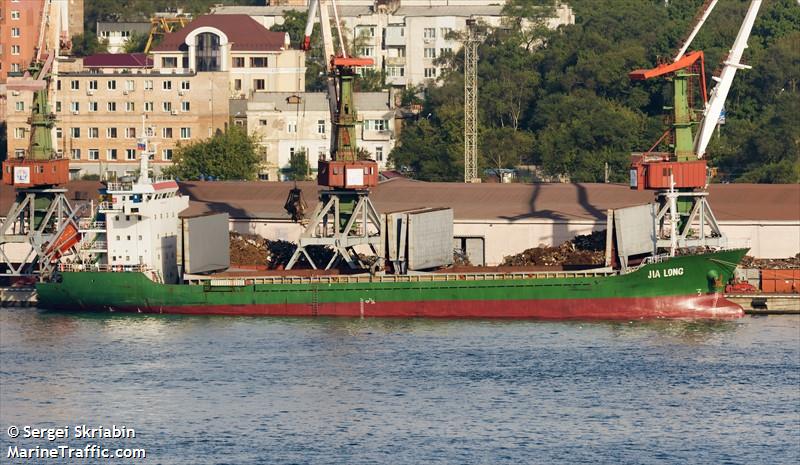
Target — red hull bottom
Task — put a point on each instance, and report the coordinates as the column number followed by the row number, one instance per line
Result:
column 713, row 306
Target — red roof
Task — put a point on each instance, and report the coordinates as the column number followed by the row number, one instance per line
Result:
column 118, row 60
column 245, row 34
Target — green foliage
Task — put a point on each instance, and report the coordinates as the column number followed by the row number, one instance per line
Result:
column 142, row 10
column 87, row 44
column 90, row 177
column 299, row 169
column 229, row 155
column 562, row 99
column 136, row 43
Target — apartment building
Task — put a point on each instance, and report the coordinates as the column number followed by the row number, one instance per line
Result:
column 299, row 122
column 19, row 34
column 117, row 34
column 404, row 37
column 20, row 26
column 99, row 101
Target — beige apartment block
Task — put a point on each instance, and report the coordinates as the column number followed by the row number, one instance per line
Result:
column 299, row 122
column 101, row 116
column 256, row 59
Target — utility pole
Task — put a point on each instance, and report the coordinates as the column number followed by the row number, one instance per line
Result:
column 471, row 104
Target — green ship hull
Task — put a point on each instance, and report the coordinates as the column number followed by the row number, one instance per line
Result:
column 678, row 287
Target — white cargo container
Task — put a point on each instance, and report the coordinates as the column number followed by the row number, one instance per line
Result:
column 420, row 239
column 206, row 243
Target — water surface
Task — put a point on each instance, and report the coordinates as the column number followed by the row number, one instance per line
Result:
column 223, row 390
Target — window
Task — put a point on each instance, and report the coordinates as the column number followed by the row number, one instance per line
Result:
column 366, row 51
column 237, row 84
column 125, row 34
column 19, row 106
column 258, row 84
column 166, row 106
column 238, row 62
column 111, row 106
column 258, row 62
column 430, row 72
column 59, row 133
column 446, row 51
column 207, row 52
column 14, row 32
column 19, row 133
column 130, row 133
column 185, row 106
column 130, row 154
column 93, row 84
column 166, row 154
column 376, row 124
column 111, row 85
column 130, row 106
column 92, row 106
column 111, row 154
column 75, row 84
column 186, row 133
column 148, row 85
column 444, row 31
column 148, row 107
column 430, row 52
column 365, row 31
column 166, row 133
column 104, row 34
column 58, row 106
column 320, row 126
column 395, row 71
column 150, row 131
column 75, row 107
column 15, row 15
column 94, row 133
column 75, row 133
column 291, row 127
column 94, row 154
column 130, row 84
column 169, row 62
column 429, row 33
column 76, row 154
column 166, row 85
column 185, row 85
column 15, row 49
column 379, row 153
column 111, row 133
column 19, row 153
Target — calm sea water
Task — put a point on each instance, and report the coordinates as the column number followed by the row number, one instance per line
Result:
column 219, row 390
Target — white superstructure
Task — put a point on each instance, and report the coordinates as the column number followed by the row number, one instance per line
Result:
column 137, row 226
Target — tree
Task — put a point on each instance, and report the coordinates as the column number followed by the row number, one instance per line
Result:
column 299, row 169
column 136, row 43
column 232, row 154
column 88, row 44
column 294, row 24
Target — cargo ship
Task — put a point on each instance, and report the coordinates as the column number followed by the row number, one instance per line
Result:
column 135, row 254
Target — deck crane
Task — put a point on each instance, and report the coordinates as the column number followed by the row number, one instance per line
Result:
column 685, row 218
column 41, row 222
column 344, row 217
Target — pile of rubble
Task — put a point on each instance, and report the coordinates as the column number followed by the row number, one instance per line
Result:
column 251, row 249
column 582, row 250
column 771, row 263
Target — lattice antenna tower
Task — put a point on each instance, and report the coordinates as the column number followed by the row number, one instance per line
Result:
column 471, row 104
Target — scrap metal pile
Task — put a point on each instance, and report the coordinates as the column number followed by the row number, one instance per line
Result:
column 582, row 250
column 254, row 250
column 771, row 263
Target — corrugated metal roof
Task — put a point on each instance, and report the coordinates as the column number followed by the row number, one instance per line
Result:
column 497, row 202
column 118, row 60
column 245, row 33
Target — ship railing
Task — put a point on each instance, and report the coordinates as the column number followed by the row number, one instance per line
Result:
column 77, row 267
column 101, row 245
column 109, row 206
column 88, row 224
column 412, row 278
